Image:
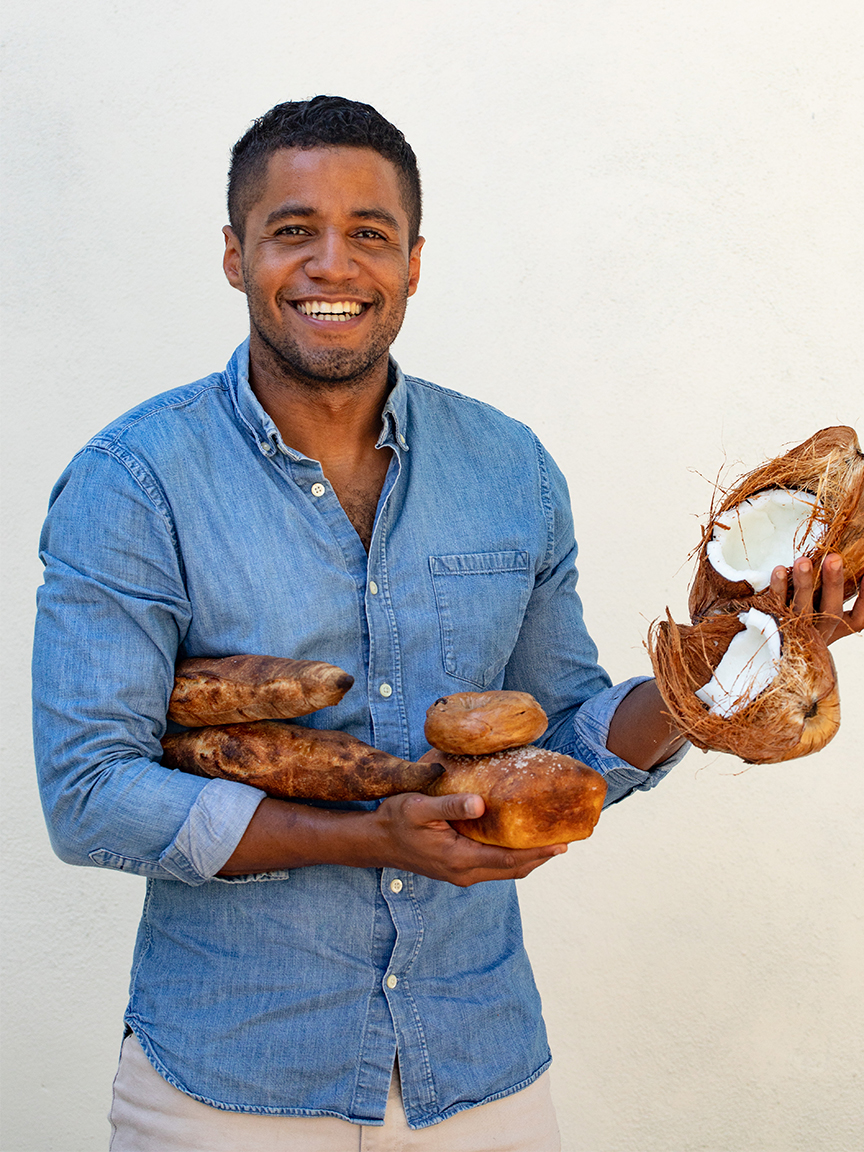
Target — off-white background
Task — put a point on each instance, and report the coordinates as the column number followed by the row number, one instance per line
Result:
column 645, row 240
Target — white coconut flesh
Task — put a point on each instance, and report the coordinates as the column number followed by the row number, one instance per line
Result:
column 769, row 529
column 750, row 663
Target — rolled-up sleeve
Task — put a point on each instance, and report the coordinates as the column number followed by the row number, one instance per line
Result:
column 556, row 660
column 112, row 613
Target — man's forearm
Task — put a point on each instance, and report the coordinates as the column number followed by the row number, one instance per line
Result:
column 641, row 731
column 410, row 832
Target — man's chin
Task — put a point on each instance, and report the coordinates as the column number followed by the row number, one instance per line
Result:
column 333, row 368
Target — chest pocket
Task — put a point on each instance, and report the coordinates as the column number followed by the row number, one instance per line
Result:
column 481, row 598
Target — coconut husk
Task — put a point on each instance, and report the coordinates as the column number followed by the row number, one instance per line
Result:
column 830, row 466
column 797, row 714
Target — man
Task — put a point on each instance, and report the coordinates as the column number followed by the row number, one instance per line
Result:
column 304, row 973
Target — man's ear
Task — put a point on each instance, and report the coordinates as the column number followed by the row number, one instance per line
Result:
column 414, row 266
column 232, row 261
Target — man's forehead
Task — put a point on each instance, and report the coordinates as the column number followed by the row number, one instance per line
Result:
column 326, row 171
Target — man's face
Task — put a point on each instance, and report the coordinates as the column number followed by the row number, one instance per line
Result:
column 325, row 263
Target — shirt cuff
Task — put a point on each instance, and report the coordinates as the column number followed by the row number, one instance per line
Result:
column 587, row 742
column 212, row 830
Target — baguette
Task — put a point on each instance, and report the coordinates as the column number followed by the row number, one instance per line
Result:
column 237, row 689
column 295, row 763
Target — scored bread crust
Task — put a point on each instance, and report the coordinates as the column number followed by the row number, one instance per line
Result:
column 236, row 689
column 478, row 723
column 533, row 797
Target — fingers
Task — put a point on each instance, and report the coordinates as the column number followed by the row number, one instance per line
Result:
column 482, row 862
column 420, row 809
column 831, row 600
column 420, row 839
column 855, row 618
column 779, row 583
column 802, row 586
column 829, row 618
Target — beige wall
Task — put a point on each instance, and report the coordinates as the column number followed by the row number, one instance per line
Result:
column 645, row 240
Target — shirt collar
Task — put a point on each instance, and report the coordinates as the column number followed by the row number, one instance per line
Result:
column 266, row 434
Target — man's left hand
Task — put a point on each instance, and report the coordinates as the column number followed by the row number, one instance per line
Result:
column 829, row 618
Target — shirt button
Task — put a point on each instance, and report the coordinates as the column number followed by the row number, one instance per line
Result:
column 392, row 981
column 396, row 885
column 403, row 441
column 318, row 489
column 385, row 690
column 373, row 587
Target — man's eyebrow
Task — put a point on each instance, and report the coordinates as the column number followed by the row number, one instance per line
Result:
column 379, row 214
column 303, row 211
column 288, row 209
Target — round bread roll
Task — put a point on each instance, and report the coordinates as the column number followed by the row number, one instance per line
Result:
column 533, row 797
column 477, row 723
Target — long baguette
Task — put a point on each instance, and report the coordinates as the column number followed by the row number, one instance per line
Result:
column 237, row 689
column 295, row 763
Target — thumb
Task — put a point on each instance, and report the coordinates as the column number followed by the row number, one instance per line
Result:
column 460, row 806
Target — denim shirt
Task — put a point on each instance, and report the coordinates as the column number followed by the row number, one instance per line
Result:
column 188, row 527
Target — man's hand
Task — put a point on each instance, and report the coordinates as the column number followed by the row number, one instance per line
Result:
column 829, row 618
column 416, row 836
column 410, row 831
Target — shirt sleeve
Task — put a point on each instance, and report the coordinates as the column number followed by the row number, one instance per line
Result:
column 112, row 613
column 556, row 660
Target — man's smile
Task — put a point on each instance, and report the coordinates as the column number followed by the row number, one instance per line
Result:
column 339, row 311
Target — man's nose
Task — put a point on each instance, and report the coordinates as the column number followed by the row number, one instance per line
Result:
column 331, row 257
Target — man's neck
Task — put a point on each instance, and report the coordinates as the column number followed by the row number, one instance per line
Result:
column 336, row 424
column 321, row 419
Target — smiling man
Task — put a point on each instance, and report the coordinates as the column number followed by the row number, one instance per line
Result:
column 309, row 977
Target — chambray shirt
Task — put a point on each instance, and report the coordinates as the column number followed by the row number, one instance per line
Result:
column 189, row 528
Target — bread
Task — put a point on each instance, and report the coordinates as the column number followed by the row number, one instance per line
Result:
column 533, row 797
column 236, row 689
column 295, row 763
column 476, row 723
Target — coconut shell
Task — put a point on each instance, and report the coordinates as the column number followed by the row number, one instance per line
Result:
column 477, row 723
column 533, row 797
column 797, row 714
column 830, row 465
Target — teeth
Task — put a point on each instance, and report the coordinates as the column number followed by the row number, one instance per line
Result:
column 322, row 310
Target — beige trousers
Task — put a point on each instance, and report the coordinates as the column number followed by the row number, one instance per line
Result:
column 150, row 1115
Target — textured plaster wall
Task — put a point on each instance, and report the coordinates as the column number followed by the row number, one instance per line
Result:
column 645, row 240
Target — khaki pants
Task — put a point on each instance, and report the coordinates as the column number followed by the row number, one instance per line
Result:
column 150, row 1115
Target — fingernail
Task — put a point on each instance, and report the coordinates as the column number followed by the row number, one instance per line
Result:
column 804, row 566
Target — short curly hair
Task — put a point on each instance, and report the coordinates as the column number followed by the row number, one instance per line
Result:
column 322, row 122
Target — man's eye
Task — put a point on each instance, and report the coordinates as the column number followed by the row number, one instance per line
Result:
column 369, row 234
column 291, row 230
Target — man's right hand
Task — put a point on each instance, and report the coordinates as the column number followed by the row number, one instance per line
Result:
column 416, row 831
column 409, row 832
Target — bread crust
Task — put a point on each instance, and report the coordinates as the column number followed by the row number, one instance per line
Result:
column 295, row 763
column 478, row 723
column 533, row 797
column 237, row 689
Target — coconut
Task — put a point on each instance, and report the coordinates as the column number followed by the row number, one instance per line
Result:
column 757, row 681
column 807, row 503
